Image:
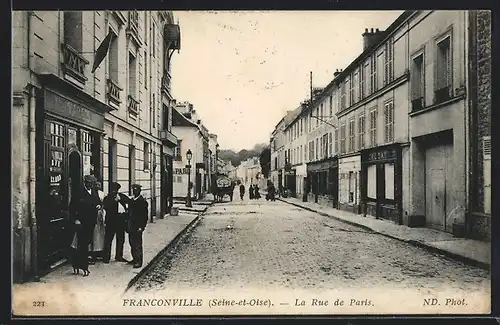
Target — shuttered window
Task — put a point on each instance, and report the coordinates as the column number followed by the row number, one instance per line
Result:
column 373, row 127
column 352, row 136
column 342, row 139
column 361, row 131
column 389, row 122
column 443, row 64
column 388, row 62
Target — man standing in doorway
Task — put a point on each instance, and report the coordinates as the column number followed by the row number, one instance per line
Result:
column 138, row 219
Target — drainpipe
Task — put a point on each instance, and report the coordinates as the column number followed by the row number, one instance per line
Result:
column 32, row 154
column 467, row 123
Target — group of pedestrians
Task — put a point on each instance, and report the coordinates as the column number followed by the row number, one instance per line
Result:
column 253, row 192
column 97, row 219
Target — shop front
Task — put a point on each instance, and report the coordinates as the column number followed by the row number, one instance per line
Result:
column 322, row 181
column 381, row 186
column 166, row 179
column 70, row 130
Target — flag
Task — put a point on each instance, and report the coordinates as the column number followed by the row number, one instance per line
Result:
column 102, row 51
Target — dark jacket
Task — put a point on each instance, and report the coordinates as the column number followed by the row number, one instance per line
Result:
column 242, row 188
column 138, row 213
column 86, row 211
column 111, row 205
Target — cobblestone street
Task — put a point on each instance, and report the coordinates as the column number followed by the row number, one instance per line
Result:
column 259, row 244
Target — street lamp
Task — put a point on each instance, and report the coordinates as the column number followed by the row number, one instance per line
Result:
column 189, row 156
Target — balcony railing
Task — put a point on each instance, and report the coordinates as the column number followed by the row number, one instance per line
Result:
column 113, row 92
column 167, row 136
column 133, row 27
column 133, row 105
column 442, row 94
column 165, row 82
column 74, row 63
column 417, row 104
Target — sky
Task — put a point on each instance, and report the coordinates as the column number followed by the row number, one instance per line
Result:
column 243, row 70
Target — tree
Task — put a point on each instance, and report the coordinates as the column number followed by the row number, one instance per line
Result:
column 265, row 161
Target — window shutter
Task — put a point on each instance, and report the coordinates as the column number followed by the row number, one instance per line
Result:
column 486, row 148
column 447, row 62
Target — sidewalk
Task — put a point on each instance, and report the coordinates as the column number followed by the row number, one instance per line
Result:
column 198, row 206
column 475, row 252
column 115, row 276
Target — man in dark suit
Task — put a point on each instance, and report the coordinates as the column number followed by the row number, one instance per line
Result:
column 87, row 206
column 138, row 219
column 115, row 205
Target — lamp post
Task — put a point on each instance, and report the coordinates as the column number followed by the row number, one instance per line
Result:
column 189, row 156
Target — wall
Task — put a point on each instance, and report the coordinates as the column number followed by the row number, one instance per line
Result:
column 190, row 139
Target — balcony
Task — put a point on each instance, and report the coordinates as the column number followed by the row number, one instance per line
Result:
column 74, row 64
column 168, row 139
column 113, row 93
column 417, row 104
column 441, row 95
column 133, row 27
column 133, row 105
column 166, row 82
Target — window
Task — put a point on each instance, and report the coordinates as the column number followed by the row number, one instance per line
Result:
column 372, row 181
column 177, row 152
column 73, row 30
column 86, row 142
column 443, row 70
column 354, row 84
column 389, row 122
column 301, row 154
column 388, row 62
column 352, row 186
column 336, row 141
column 113, row 58
column 373, row 73
column 275, row 163
column 331, row 107
column 317, row 115
column 342, row 96
column 305, row 152
column 361, row 83
column 330, row 144
column 342, row 139
column 361, row 131
column 366, row 79
column 373, row 127
column 132, row 68
column 352, row 136
column 350, row 94
column 418, row 83
column 389, row 181
column 325, row 145
column 145, row 27
column 146, row 155
column 317, row 149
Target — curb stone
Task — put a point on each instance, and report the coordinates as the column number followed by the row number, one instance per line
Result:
column 171, row 244
column 420, row 244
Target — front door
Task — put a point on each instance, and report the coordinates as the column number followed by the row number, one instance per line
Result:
column 435, row 187
column 52, row 207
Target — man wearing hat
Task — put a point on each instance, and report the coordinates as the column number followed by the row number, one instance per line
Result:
column 115, row 205
column 138, row 219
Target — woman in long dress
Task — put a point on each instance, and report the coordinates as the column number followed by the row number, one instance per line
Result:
column 97, row 245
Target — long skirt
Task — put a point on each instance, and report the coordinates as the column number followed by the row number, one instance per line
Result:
column 97, row 243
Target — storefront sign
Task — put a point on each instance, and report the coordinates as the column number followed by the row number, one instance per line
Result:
column 181, row 171
column 386, row 154
column 73, row 111
column 324, row 165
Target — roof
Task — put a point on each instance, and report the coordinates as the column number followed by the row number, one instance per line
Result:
column 362, row 56
column 179, row 119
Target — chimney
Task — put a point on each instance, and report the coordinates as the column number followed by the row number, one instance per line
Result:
column 371, row 37
column 337, row 72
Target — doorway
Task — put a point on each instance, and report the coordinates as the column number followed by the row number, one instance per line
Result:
column 438, row 168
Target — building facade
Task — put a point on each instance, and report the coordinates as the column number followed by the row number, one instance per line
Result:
column 409, row 137
column 191, row 135
column 213, row 147
column 80, row 107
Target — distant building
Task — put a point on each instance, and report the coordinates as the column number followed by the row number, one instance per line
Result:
column 192, row 135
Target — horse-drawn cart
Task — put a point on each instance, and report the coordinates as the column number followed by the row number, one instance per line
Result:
column 223, row 186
